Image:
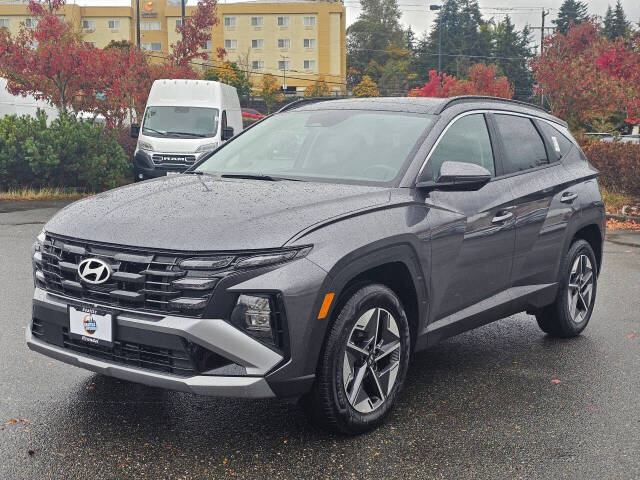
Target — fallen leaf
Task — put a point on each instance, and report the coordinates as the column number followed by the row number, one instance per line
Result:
column 31, row 452
column 555, row 380
column 631, row 335
column 517, row 427
column 91, row 387
column 376, row 454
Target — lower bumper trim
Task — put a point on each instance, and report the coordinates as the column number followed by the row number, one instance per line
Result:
column 246, row 387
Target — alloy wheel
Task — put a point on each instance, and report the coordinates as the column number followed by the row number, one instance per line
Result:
column 580, row 289
column 371, row 360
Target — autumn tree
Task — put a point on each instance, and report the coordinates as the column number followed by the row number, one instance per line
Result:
column 318, row 88
column 366, row 88
column 231, row 74
column 194, row 33
column 483, row 80
column 270, row 91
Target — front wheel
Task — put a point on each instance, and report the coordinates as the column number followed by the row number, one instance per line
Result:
column 363, row 362
column 569, row 315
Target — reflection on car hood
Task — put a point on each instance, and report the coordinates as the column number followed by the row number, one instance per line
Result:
column 196, row 213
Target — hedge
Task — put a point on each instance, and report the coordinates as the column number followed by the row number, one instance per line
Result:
column 66, row 153
column 618, row 162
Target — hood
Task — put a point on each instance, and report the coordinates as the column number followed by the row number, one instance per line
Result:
column 201, row 213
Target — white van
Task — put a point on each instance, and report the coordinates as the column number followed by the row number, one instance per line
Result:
column 184, row 120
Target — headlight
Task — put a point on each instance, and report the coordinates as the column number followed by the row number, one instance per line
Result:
column 271, row 258
column 255, row 314
column 209, row 147
column 37, row 258
column 145, row 146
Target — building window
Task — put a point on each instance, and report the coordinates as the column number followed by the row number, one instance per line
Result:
column 31, row 22
column 61, row 18
column 114, row 24
column 229, row 21
column 92, row 44
column 231, row 44
column 283, row 65
column 178, row 22
column 309, row 43
column 150, row 26
column 208, row 45
column 309, row 64
column 284, row 43
column 257, row 43
column 5, row 22
column 283, row 21
column 257, row 65
column 257, row 21
column 88, row 24
column 152, row 46
column 309, row 21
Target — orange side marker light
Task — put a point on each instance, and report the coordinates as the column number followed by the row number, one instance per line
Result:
column 326, row 304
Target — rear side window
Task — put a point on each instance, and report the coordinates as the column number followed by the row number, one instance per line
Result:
column 523, row 145
column 466, row 140
column 559, row 142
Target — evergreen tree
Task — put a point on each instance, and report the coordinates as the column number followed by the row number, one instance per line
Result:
column 615, row 22
column 607, row 27
column 571, row 12
column 512, row 52
column 377, row 27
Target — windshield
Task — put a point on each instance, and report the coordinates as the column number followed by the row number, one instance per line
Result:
column 180, row 122
column 343, row 145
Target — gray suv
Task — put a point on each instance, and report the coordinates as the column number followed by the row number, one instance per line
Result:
column 312, row 254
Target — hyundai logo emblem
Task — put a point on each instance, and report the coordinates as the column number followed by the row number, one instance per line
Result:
column 93, row 270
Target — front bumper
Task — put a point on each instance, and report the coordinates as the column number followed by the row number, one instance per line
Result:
column 251, row 357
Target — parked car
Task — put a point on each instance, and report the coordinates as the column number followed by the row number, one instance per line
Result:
column 252, row 113
column 312, row 254
column 184, row 121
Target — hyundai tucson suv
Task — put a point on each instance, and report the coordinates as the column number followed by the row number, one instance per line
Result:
column 314, row 253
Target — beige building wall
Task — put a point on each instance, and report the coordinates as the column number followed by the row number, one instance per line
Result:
column 101, row 35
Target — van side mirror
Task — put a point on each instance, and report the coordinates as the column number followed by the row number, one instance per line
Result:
column 135, row 130
column 227, row 133
column 458, row 176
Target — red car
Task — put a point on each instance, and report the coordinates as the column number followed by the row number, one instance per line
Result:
column 252, row 113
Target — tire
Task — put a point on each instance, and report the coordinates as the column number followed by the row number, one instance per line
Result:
column 569, row 314
column 335, row 401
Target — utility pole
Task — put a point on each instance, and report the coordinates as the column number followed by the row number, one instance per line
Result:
column 284, row 72
column 544, row 14
column 138, row 23
column 439, row 8
column 183, row 14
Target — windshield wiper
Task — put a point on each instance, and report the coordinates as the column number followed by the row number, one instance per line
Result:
column 258, row 176
column 154, row 131
column 200, row 135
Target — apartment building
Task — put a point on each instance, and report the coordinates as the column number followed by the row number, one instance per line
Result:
column 296, row 41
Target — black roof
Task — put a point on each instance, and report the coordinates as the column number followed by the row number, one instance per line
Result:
column 425, row 105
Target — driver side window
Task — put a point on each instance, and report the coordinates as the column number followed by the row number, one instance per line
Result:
column 467, row 140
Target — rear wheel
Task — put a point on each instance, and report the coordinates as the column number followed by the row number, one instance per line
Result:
column 363, row 363
column 569, row 315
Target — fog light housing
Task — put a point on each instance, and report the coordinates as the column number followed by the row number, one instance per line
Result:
column 255, row 315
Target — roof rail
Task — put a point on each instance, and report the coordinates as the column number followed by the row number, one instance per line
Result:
column 472, row 98
column 305, row 101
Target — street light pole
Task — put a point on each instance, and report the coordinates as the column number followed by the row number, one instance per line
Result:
column 138, row 23
column 183, row 14
column 439, row 9
column 284, row 72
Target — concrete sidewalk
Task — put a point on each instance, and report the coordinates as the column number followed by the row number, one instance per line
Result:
column 629, row 238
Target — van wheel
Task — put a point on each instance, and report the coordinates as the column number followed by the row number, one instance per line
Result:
column 363, row 363
column 569, row 315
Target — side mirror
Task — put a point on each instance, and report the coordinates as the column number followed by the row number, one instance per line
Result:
column 135, row 130
column 458, row 176
column 227, row 133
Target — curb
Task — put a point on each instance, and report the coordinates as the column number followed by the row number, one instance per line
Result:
column 623, row 218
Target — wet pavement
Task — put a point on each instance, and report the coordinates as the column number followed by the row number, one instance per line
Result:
column 502, row 401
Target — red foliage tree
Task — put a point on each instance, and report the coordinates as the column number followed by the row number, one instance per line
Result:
column 195, row 32
column 483, row 80
column 588, row 79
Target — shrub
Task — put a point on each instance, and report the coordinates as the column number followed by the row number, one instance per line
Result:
column 67, row 153
column 619, row 164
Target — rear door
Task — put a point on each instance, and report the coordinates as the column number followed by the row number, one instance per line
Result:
column 472, row 232
column 542, row 205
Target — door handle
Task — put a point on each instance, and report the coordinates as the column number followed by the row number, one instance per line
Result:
column 502, row 217
column 568, row 197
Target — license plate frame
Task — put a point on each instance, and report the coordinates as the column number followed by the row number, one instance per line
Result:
column 92, row 325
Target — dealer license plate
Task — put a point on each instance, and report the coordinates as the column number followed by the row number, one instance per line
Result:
column 91, row 325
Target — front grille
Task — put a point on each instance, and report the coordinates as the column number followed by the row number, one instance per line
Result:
column 177, row 160
column 141, row 280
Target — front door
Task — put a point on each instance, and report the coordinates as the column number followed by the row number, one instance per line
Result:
column 473, row 233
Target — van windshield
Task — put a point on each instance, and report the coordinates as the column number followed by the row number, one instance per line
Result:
column 180, row 122
column 324, row 145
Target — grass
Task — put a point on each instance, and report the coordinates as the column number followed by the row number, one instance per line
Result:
column 614, row 201
column 45, row 193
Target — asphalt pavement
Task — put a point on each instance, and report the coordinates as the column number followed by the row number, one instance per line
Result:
column 502, row 401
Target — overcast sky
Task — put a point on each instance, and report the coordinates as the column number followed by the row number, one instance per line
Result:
column 416, row 12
